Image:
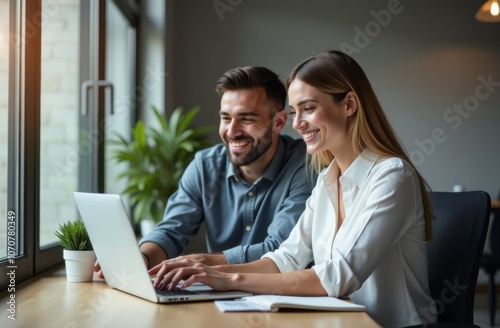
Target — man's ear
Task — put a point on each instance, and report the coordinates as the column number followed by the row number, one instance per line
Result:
column 279, row 120
column 351, row 103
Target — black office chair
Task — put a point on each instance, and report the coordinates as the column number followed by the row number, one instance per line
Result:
column 491, row 263
column 459, row 232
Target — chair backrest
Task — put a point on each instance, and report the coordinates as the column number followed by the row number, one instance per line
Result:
column 494, row 237
column 460, row 225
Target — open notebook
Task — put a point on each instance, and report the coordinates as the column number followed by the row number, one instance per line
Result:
column 121, row 262
column 275, row 302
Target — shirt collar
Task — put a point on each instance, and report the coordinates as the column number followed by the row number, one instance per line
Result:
column 358, row 170
column 272, row 170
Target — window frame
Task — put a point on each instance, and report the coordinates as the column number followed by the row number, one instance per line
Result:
column 21, row 148
column 23, row 190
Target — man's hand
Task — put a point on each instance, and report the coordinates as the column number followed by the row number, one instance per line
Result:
column 97, row 268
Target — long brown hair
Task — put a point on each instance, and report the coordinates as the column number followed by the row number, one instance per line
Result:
column 337, row 74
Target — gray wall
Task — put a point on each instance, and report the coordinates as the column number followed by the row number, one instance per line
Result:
column 425, row 60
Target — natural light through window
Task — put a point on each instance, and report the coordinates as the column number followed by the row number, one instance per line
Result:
column 59, row 117
column 4, row 82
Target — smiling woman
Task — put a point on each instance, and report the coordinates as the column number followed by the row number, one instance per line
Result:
column 365, row 217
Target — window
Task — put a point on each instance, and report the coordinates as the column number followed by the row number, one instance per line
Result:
column 4, row 83
column 55, row 58
column 120, row 42
column 59, row 114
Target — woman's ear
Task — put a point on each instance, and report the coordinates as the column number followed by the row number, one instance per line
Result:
column 351, row 103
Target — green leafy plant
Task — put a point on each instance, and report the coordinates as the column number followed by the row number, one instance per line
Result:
column 157, row 158
column 73, row 236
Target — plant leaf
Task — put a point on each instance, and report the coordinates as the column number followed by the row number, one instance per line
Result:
column 156, row 158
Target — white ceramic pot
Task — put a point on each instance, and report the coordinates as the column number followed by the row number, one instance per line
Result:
column 79, row 265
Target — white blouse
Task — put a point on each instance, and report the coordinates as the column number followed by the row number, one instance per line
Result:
column 378, row 257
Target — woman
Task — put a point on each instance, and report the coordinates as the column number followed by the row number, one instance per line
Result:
column 366, row 223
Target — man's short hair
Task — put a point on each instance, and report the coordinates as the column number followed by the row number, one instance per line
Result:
column 249, row 77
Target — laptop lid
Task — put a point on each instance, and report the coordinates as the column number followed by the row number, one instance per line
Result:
column 115, row 245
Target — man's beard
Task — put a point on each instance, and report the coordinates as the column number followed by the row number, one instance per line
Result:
column 263, row 144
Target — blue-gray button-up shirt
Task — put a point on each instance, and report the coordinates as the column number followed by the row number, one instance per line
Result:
column 242, row 221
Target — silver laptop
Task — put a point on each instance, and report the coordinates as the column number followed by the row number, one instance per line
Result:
column 121, row 262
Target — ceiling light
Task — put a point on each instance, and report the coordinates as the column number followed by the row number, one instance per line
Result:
column 489, row 12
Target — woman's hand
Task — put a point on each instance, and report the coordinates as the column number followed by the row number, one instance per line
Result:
column 171, row 272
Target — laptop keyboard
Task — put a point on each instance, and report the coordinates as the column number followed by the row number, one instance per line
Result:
column 177, row 291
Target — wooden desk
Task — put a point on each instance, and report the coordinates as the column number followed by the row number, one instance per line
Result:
column 50, row 301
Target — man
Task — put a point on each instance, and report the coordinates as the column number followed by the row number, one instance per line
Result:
column 250, row 190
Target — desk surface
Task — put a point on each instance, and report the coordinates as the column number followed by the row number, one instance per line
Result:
column 50, row 299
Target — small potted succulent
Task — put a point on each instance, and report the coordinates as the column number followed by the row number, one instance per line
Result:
column 78, row 253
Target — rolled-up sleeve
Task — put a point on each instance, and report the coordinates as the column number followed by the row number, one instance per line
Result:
column 379, row 222
column 378, row 255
